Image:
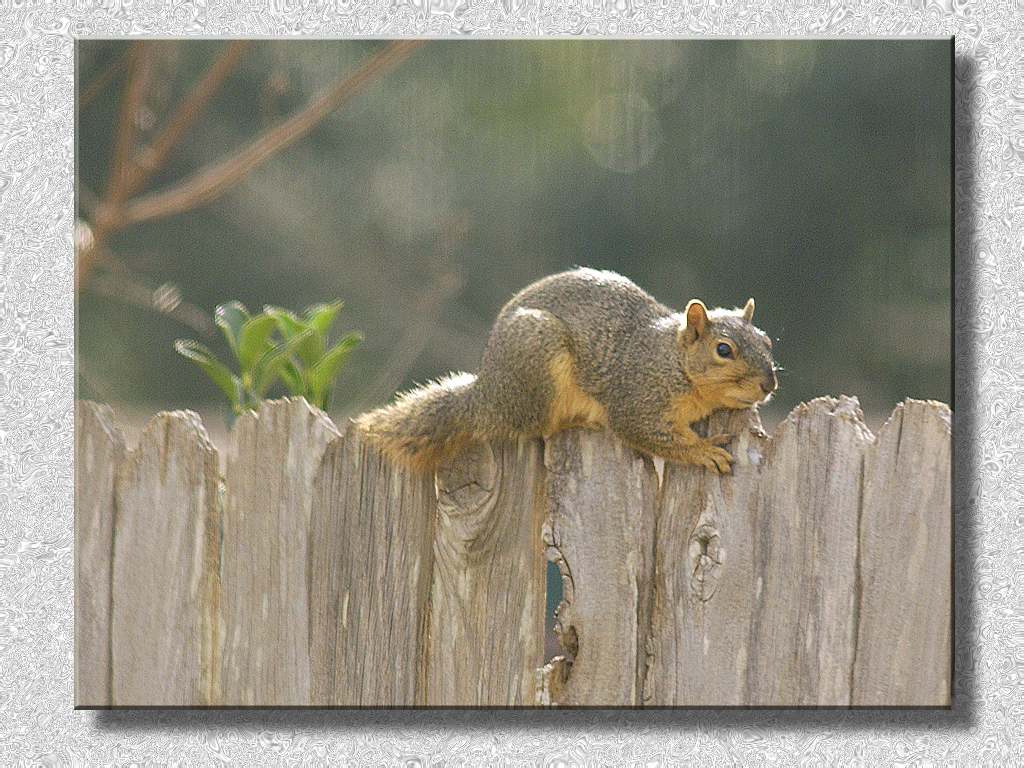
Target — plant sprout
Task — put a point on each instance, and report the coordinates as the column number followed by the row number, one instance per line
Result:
column 275, row 344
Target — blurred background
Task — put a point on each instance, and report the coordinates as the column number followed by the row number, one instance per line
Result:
column 812, row 175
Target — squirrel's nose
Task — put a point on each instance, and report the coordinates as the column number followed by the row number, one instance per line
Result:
column 769, row 384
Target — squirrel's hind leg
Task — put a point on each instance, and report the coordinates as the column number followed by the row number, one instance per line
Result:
column 526, row 384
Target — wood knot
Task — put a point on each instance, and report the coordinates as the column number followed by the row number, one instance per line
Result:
column 706, row 555
column 468, row 481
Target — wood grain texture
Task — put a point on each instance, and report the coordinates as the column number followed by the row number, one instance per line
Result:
column 371, row 564
column 271, row 460
column 164, row 570
column 804, row 580
column 99, row 454
column 600, row 531
column 703, row 575
column 487, row 601
column 817, row 573
column 904, row 642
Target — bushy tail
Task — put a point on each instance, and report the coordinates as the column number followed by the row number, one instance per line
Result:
column 425, row 426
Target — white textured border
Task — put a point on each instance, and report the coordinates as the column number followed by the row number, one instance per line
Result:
column 39, row 726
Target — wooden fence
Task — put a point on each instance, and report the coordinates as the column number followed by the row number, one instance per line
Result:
column 315, row 573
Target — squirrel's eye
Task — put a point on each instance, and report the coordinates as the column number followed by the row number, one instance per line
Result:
column 723, row 349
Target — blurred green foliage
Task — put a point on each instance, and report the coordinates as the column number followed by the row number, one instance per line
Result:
column 298, row 355
column 813, row 175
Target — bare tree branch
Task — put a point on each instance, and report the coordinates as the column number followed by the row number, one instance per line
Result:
column 127, row 287
column 124, row 146
column 112, row 213
column 213, row 180
column 126, row 174
column 100, row 82
column 105, row 218
column 195, row 103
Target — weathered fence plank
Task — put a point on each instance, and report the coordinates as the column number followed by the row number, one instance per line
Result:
column 271, row 460
column 808, row 506
column 704, row 589
column 603, row 500
column 906, row 599
column 164, row 572
column 817, row 573
column 99, row 453
column 487, row 602
column 371, row 560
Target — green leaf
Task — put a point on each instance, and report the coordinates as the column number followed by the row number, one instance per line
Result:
column 231, row 317
column 292, row 378
column 268, row 370
column 311, row 348
column 254, row 340
column 290, row 327
column 287, row 323
column 269, row 366
column 325, row 371
column 221, row 376
column 321, row 316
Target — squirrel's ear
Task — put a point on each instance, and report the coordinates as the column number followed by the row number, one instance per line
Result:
column 748, row 310
column 696, row 321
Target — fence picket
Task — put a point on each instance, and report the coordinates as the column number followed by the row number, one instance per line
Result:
column 99, row 453
column 164, row 587
column 808, row 503
column 905, row 619
column 487, row 602
column 703, row 570
column 371, row 559
column 271, row 460
column 603, row 506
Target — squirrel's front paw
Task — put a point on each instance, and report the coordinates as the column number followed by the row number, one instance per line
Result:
column 722, row 439
column 715, row 458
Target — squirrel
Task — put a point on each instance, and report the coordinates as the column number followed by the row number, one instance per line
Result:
column 588, row 348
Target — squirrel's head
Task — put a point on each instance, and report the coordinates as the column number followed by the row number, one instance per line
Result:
column 726, row 356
